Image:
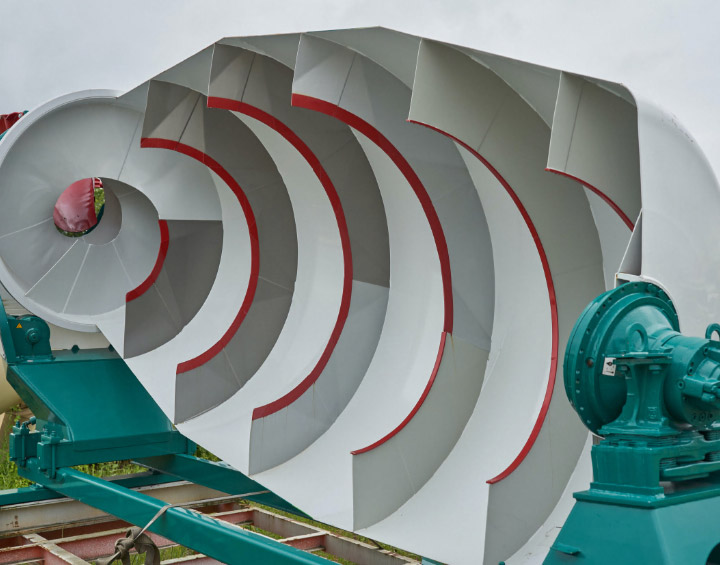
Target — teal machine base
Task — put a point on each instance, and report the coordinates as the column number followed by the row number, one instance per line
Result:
column 653, row 395
column 603, row 534
column 90, row 408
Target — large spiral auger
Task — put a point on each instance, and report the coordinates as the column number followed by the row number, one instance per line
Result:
column 348, row 263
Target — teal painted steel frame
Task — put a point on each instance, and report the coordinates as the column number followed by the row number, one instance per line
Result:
column 218, row 476
column 90, row 408
column 602, row 534
column 217, row 539
column 39, row 493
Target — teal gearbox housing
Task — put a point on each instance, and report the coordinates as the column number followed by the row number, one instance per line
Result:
column 652, row 394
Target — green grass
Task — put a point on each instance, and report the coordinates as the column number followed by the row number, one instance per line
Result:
column 267, row 533
column 110, row 469
column 205, row 454
column 99, row 194
column 8, row 470
column 334, row 558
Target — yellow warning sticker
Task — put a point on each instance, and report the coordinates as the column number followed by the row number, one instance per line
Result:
column 19, row 325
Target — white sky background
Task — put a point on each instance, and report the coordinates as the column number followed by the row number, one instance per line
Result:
column 666, row 51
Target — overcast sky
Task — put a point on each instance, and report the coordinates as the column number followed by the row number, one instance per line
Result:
column 666, row 51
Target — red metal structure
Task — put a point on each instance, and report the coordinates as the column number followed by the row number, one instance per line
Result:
column 8, row 120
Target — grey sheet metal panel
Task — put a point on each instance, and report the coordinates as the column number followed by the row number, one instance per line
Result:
column 509, row 133
column 595, row 139
column 151, row 319
column 168, row 109
column 396, row 52
column 192, row 261
column 207, row 386
column 180, row 188
column 282, row 47
column 261, row 323
column 269, row 87
column 632, row 259
column 387, row 476
column 183, row 115
column 276, row 438
column 191, row 73
column 95, row 289
column 334, row 73
column 76, row 277
column 138, row 237
column 265, row 84
column 371, row 92
column 184, row 281
column 535, row 84
column 110, row 269
column 41, row 241
column 614, row 235
column 54, row 152
column 203, row 388
column 55, row 287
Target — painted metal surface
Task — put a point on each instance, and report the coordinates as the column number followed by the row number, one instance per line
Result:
column 661, row 535
column 652, row 394
column 238, row 82
column 665, row 396
column 74, row 209
column 486, row 225
column 188, row 126
column 9, row 120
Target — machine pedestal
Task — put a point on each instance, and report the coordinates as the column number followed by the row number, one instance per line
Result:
column 604, row 534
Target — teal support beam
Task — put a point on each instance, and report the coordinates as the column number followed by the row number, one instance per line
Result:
column 89, row 408
column 218, row 476
column 603, row 534
column 220, row 540
column 39, row 493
